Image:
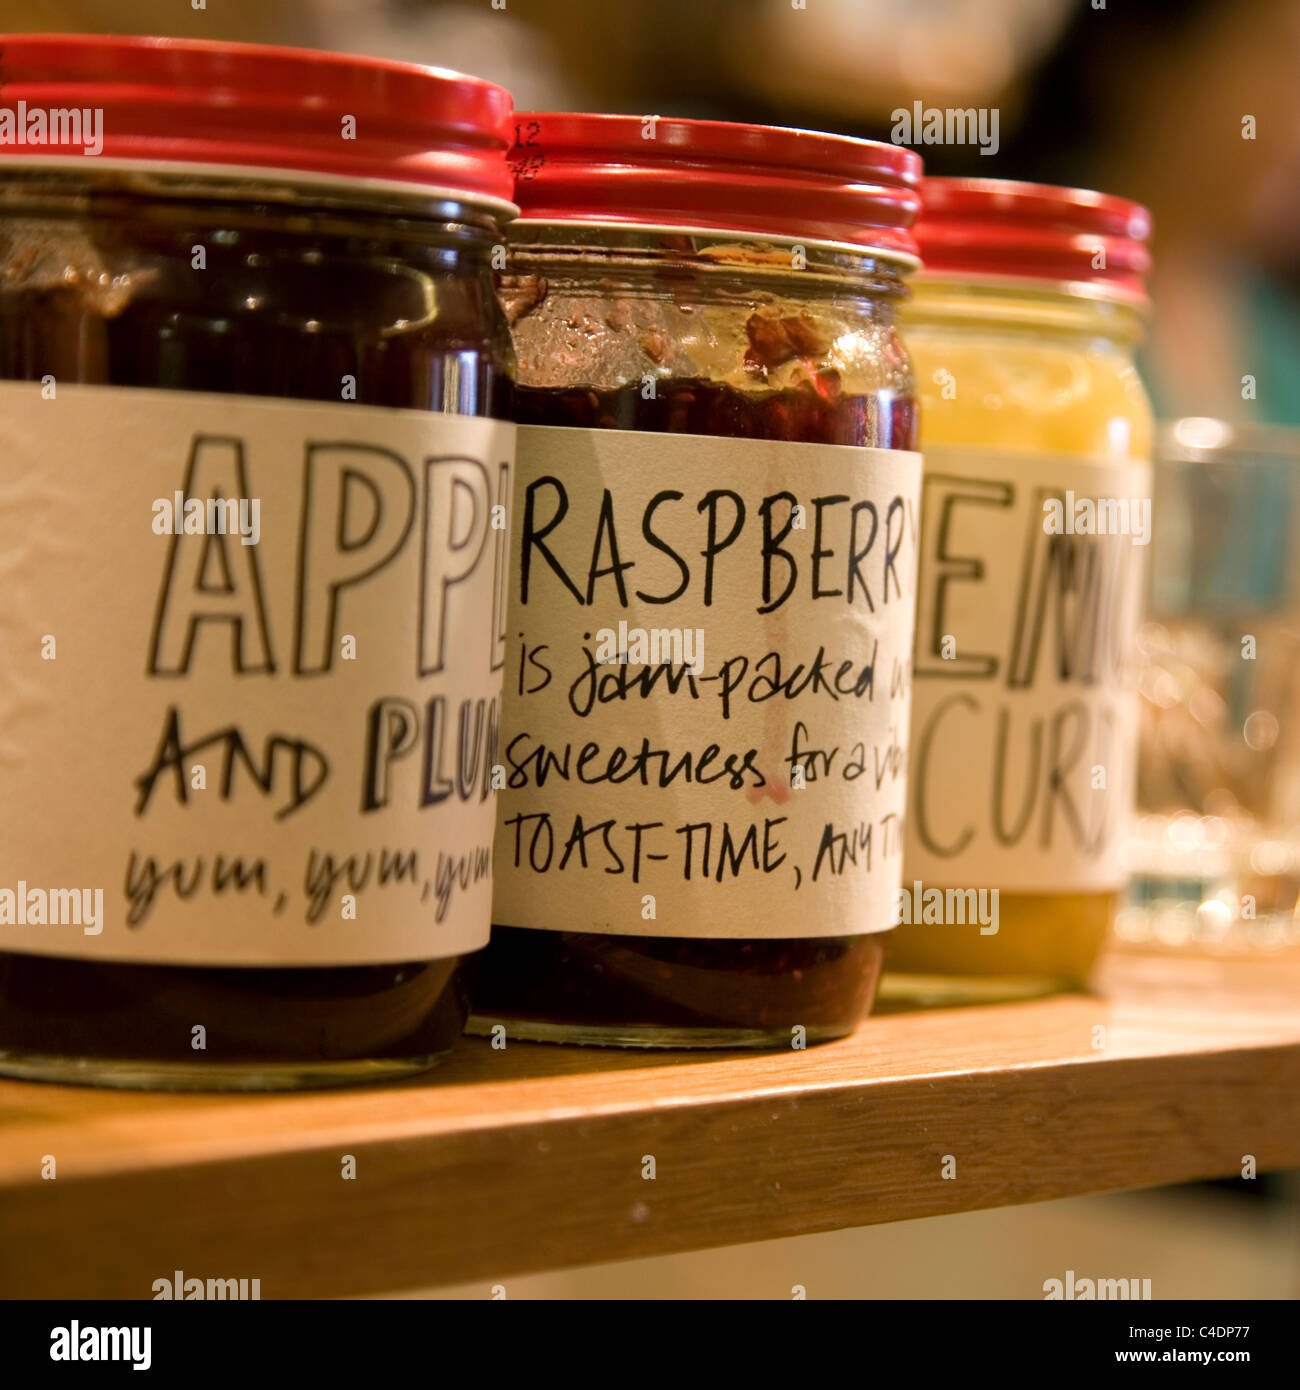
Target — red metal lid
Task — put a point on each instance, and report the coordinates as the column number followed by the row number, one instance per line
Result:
column 250, row 106
column 995, row 228
column 653, row 171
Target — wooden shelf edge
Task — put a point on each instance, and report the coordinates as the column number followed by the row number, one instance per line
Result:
column 511, row 1166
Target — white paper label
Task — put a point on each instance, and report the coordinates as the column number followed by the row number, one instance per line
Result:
column 1024, row 721
column 271, row 746
column 741, row 773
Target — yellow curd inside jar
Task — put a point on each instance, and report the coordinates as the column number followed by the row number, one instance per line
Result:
column 1017, row 371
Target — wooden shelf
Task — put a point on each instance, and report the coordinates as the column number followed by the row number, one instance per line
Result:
column 505, row 1162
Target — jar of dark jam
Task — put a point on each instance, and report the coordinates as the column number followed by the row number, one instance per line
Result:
column 712, row 581
column 254, row 377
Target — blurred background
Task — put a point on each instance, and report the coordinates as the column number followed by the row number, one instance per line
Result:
column 1143, row 98
column 1191, row 107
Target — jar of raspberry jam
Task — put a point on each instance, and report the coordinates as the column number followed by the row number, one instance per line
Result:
column 254, row 375
column 712, row 584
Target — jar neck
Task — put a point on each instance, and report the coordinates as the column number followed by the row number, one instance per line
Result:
column 168, row 195
column 941, row 302
column 729, row 263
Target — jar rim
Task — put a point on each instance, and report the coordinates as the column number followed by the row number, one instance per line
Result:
column 163, row 178
column 1001, row 229
column 665, row 173
column 1201, row 438
column 943, row 278
column 901, row 260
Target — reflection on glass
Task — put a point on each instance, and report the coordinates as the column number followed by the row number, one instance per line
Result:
column 1215, row 856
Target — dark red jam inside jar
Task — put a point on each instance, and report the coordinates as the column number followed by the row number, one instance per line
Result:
column 269, row 224
column 732, row 283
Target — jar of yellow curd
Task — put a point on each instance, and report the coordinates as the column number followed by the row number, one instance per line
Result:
column 1036, row 514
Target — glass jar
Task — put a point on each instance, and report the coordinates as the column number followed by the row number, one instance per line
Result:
column 207, row 301
column 1215, row 856
column 1037, row 437
column 704, row 323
